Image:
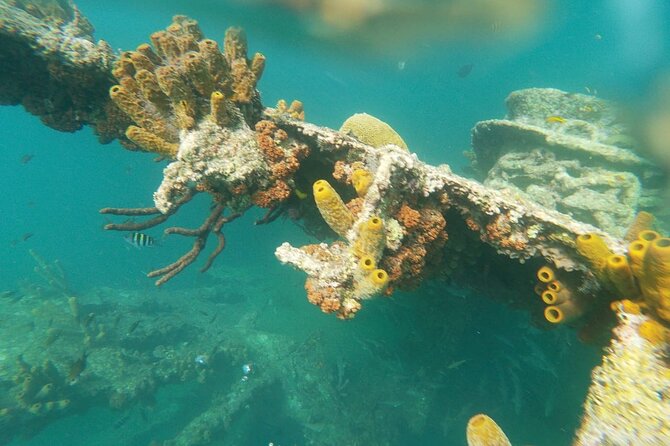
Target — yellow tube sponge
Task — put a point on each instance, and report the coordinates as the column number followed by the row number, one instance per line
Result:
column 636, row 252
column 361, row 179
column 332, row 208
column 555, row 285
column 593, row 248
column 371, row 238
column 545, row 274
column 483, row 431
column 619, row 273
column 550, row 297
column 656, row 276
column 372, row 131
column 564, row 312
column 367, row 264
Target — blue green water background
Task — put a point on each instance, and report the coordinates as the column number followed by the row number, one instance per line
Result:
column 56, row 196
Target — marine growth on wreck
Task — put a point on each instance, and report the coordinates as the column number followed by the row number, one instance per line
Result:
column 559, row 224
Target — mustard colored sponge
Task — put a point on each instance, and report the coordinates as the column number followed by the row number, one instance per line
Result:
column 332, row 208
column 545, row 274
column 361, row 180
column 371, row 238
column 483, row 431
column 593, row 248
column 619, row 273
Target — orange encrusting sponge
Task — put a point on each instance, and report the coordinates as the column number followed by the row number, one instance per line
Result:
column 483, row 431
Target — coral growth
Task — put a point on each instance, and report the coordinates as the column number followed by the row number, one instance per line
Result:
column 372, row 131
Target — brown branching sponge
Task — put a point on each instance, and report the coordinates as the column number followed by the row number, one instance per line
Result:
column 182, row 79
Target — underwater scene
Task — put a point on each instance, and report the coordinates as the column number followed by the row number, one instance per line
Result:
column 335, row 222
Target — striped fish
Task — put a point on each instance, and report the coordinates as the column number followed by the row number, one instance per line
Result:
column 140, row 240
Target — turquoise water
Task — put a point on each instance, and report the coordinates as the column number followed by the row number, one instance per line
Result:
column 439, row 353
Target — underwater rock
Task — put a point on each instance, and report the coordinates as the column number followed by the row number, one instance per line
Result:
column 569, row 152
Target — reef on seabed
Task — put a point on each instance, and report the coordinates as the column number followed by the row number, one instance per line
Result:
column 561, row 184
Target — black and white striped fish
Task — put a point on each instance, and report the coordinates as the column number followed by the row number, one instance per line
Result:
column 140, row 240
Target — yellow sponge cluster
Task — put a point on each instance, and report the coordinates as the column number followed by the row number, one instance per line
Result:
column 371, row 238
column 369, row 243
column 562, row 305
column 644, row 272
column 483, row 431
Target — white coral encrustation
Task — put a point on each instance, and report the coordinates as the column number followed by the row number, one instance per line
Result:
column 216, row 155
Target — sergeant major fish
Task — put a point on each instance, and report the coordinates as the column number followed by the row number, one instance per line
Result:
column 140, row 240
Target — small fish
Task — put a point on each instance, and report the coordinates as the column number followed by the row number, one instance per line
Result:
column 465, row 70
column 401, row 65
column 140, row 240
column 76, row 369
column 53, row 334
column 555, row 120
column 25, row 159
column 26, row 236
column 88, row 319
column 456, row 364
column 121, row 421
column 133, row 326
column 300, row 194
column 7, row 294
